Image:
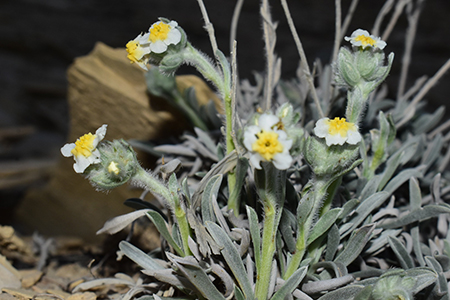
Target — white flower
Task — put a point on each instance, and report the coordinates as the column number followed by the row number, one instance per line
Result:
column 162, row 35
column 138, row 50
column 362, row 38
column 337, row 131
column 84, row 149
column 267, row 142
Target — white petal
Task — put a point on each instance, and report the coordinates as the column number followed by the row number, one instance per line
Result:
column 173, row 24
column 321, row 128
column 287, row 144
column 359, row 32
column 81, row 163
column 255, row 160
column 336, row 139
column 101, row 132
column 266, row 121
column 158, row 47
column 67, row 149
column 173, row 37
column 353, row 137
column 143, row 38
column 249, row 136
column 380, row 44
column 282, row 161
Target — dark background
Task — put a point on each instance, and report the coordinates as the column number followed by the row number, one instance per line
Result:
column 39, row 39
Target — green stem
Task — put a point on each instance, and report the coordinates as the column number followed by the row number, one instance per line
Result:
column 185, row 230
column 203, row 64
column 157, row 187
column 234, row 203
column 268, row 251
column 211, row 73
column 271, row 185
column 319, row 190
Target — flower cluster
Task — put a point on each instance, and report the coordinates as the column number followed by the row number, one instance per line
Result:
column 266, row 141
column 159, row 37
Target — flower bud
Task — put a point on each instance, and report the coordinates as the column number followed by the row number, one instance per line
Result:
column 329, row 160
column 118, row 164
column 346, row 72
column 393, row 287
column 171, row 62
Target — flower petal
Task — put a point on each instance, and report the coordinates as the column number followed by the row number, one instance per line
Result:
column 266, row 121
column 353, row 137
column 158, row 47
column 173, row 37
column 66, row 150
column 321, row 128
column 255, row 160
column 282, row 161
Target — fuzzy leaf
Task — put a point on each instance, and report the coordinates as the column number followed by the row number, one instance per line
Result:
column 197, row 276
column 139, row 257
column 332, row 243
column 314, row 287
column 424, row 278
column 161, row 225
column 290, row 284
column 241, row 172
column 232, row 257
column 116, row 224
column 391, row 165
column 286, row 222
column 347, row 292
column 211, row 190
column 324, row 223
column 355, row 245
column 403, row 257
column 365, row 208
column 225, row 165
column 255, row 234
column 401, row 178
column 421, row 214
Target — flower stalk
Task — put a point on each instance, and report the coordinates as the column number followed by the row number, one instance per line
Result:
column 271, row 185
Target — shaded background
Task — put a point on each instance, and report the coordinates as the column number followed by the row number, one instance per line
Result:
column 39, row 39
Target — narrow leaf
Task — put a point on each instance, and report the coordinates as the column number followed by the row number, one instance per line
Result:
column 421, row 214
column 211, row 190
column 290, row 284
column 116, row 224
column 232, row 257
column 324, row 223
column 403, row 257
column 355, row 245
column 139, row 257
column 161, row 225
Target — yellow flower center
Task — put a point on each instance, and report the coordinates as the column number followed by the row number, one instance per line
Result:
column 84, row 145
column 159, row 32
column 365, row 40
column 112, row 168
column 340, row 126
column 267, row 144
column 134, row 51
